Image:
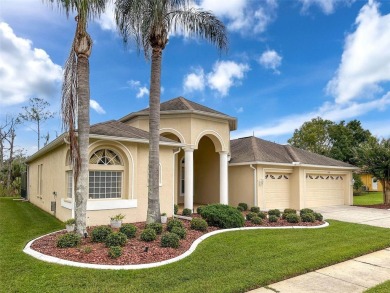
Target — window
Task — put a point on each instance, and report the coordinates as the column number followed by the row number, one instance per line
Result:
column 69, row 184
column 105, row 175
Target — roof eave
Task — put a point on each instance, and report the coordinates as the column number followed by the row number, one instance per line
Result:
column 138, row 140
column 50, row 146
column 294, row 164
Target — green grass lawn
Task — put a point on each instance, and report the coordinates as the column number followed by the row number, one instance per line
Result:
column 228, row 262
column 367, row 199
column 382, row 288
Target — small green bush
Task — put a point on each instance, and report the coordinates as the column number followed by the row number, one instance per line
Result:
column 156, row 227
column 255, row 209
column 274, row 212
column 292, row 218
column 289, row 211
column 115, row 251
column 198, row 224
column 273, row 218
column 148, row 235
column 240, row 208
column 250, row 216
column 262, row 215
column 87, row 249
column 318, row 216
column 243, row 205
column 305, row 211
column 181, row 232
column 129, row 230
column 199, row 209
column 187, row 212
column 100, row 233
column 222, row 216
column 257, row 220
column 170, row 240
column 116, row 239
column 68, row 240
column 308, row 217
column 175, row 209
column 174, row 223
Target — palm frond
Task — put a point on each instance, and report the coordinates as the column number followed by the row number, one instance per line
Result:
column 88, row 9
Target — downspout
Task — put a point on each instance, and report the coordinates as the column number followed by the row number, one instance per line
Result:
column 254, row 185
column 173, row 184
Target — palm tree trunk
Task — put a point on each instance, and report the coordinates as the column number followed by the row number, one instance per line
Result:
column 153, row 214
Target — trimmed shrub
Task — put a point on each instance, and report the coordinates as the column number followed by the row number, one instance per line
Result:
column 68, row 240
column 174, row 223
column 289, row 211
column 148, row 235
column 250, row 216
column 175, row 209
column 292, row 218
column 100, row 233
column 170, row 240
column 257, row 220
column 240, row 208
column 255, row 209
column 199, row 209
column 262, row 215
column 308, row 217
column 181, row 232
column 222, row 216
column 115, row 251
column 273, row 218
column 243, row 205
column 274, row 212
column 198, row 224
column 129, row 230
column 187, row 212
column 318, row 216
column 116, row 239
column 156, row 227
column 305, row 211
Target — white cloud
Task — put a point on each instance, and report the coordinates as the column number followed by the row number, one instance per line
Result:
column 107, row 19
column 25, row 71
column 134, row 84
column 194, row 81
column 226, row 74
column 243, row 16
column 327, row 6
column 95, row 105
column 365, row 62
column 142, row 91
column 270, row 59
column 240, row 110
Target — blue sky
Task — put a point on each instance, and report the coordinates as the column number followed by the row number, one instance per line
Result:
column 288, row 62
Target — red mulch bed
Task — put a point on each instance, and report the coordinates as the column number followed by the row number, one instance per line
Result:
column 376, row 206
column 134, row 251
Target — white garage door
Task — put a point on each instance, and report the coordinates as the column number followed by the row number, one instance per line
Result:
column 277, row 190
column 324, row 190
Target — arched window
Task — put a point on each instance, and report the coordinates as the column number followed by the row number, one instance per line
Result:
column 105, row 174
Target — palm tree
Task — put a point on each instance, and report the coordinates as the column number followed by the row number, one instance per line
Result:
column 149, row 23
column 75, row 98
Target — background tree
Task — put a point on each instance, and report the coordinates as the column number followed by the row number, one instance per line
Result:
column 149, row 23
column 374, row 158
column 37, row 113
column 76, row 97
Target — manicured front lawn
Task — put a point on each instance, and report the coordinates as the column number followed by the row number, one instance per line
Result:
column 382, row 288
column 228, row 262
column 369, row 198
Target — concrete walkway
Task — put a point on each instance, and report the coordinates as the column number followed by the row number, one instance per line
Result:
column 356, row 275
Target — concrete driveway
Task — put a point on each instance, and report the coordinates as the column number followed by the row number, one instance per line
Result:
column 360, row 215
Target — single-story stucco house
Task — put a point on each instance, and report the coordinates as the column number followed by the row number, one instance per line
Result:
column 199, row 163
column 370, row 182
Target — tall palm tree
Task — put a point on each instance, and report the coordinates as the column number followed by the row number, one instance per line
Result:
column 76, row 96
column 149, row 23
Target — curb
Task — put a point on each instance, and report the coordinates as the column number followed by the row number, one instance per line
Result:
column 28, row 250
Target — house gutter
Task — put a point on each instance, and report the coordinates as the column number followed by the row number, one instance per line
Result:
column 294, row 164
column 254, row 185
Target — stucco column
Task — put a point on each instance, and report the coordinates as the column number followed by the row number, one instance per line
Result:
column 223, row 177
column 189, row 179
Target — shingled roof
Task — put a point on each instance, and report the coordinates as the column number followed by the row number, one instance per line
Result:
column 182, row 105
column 119, row 129
column 253, row 149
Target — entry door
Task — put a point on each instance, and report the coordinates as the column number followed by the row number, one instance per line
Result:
column 374, row 184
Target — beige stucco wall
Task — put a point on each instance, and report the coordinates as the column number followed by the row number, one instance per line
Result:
column 134, row 181
column 241, row 185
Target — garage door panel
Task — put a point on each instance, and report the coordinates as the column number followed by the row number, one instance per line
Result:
column 324, row 190
column 277, row 190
